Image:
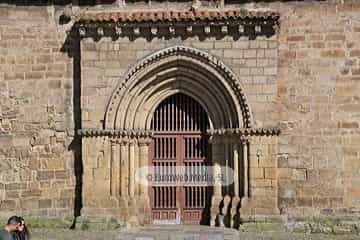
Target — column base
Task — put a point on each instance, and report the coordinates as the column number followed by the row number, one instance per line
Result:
column 133, row 212
column 234, row 211
column 215, row 209
column 144, row 210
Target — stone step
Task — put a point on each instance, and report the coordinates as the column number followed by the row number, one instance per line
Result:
column 179, row 232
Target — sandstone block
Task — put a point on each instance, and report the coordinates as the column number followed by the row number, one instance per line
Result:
column 335, row 37
column 256, row 172
column 29, row 203
column 270, row 173
column 295, row 38
column 355, row 53
column 321, row 202
column 15, row 186
column 304, row 202
column 31, row 193
column 45, row 203
column 250, row 53
column 45, row 175
column 260, row 183
column 299, row 174
column 233, row 53
column 332, row 53
column 52, row 163
column 8, row 204
column 241, row 44
column 222, row 45
column 62, row 174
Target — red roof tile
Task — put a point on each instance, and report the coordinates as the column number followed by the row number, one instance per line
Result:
column 175, row 16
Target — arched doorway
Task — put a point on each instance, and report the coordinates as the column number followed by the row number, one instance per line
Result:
column 146, row 109
column 179, row 157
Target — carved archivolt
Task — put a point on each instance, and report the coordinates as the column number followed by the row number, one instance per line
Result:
column 178, row 69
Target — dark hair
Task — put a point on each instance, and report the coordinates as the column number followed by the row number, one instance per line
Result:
column 24, row 234
column 14, row 220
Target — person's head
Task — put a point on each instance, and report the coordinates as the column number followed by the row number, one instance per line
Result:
column 13, row 223
column 22, row 225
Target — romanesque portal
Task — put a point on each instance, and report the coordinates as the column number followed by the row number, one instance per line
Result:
column 178, row 107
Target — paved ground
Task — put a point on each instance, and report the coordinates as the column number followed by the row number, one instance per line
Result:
column 180, row 233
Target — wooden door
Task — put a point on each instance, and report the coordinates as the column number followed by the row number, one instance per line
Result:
column 180, row 150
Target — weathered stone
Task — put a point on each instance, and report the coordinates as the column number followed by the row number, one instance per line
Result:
column 31, row 193
column 15, row 186
column 45, row 175
column 332, row 53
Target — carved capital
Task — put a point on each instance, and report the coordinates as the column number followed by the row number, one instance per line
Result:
column 144, row 141
column 124, row 141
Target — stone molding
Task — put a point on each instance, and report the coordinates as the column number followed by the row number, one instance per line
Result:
column 87, row 132
column 245, row 132
column 207, row 23
column 179, row 51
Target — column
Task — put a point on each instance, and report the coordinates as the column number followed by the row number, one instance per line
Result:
column 236, row 169
column 217, row 156
column 234, row 221
column 144, row 203
column 143, row 160
column 227, row 198
column 132, row 168
column 123, row 168
column 246, row 168
column 227, row 165
column 136, row 167
column 115, row 169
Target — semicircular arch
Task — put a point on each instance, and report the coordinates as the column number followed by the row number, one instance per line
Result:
column 178, row 69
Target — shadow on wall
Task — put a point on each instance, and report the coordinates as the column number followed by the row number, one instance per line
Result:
column 72, row 47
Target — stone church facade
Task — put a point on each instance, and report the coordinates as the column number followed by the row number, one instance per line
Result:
column 92, row 93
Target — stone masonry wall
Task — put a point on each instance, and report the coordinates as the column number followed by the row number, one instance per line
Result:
column 305, row 79
column 36, row 114
column 319, row 106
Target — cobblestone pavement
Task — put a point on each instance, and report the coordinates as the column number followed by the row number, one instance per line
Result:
column 180, row 233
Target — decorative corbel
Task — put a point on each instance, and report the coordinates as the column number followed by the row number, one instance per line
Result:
column 100, row 31
column 241, row 28
column 207, row 29
column 154, row 30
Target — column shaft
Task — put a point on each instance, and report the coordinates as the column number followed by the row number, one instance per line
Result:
column 144, row 158
column 236, row 169
column 216, row 157
column 132, row 169
column 246, row 169
column 124, row 169
column 115, row 170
